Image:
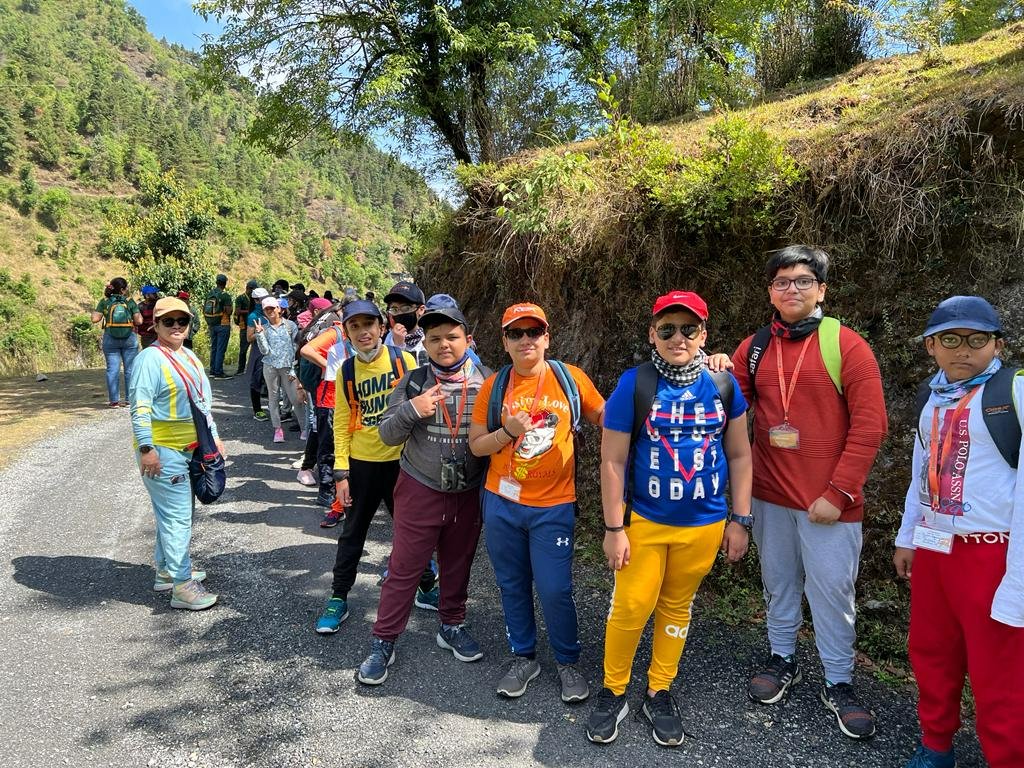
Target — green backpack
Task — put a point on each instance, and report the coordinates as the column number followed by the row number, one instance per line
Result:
column 118, row 318
column 211, row 309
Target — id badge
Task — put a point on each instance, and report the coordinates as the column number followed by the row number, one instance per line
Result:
column 931, row 539
column 509, row 488
column 453, row 475
column 784, row 436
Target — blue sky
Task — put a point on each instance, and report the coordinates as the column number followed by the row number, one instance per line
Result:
column 175, row 20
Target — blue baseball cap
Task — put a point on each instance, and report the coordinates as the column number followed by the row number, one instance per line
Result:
column 361, row 307
column 971, row 312
column 441, row 301
column 147, row 289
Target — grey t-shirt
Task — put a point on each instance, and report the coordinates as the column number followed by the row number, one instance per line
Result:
column 428, row 442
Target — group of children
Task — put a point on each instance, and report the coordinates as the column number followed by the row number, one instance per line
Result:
column 406, row 414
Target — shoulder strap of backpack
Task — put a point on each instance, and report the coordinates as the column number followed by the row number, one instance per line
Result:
column 645, row 387
column 828, row 343
column 418, row 380
column 724, row 383
column 497, row 398
column 924, row 391
column 348, row 384
column 571, row 390
column 398, row 364
column 758, row 346
column 1000, row 413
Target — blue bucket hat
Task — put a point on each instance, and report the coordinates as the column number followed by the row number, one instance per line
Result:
column 971, row 312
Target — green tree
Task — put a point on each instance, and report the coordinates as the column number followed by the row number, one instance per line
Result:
column 9, row 138
column 162, row 235
column 414, row 63
column 53, row 207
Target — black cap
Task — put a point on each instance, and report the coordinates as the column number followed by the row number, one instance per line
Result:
column 252, row 284
column 405, row 291
column 222, row 279
column 440, row 315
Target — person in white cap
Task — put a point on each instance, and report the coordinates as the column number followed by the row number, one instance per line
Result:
column 276, row 340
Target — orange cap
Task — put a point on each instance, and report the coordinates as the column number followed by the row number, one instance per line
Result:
column 522, row 312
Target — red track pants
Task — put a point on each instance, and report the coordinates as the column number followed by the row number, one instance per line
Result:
column 952, row 635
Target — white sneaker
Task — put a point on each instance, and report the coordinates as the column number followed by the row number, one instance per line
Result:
column 306, row 478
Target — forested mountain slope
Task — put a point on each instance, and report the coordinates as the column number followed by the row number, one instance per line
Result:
column 93, row 108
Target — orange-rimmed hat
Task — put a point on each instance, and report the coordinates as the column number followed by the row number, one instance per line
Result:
column 523, row 312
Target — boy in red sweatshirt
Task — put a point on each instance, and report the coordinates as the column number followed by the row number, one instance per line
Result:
column 819, row 419
column 961, row 542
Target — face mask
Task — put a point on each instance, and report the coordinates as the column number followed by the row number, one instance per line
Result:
column 408, row 320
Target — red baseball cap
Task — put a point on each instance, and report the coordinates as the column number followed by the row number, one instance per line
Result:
column 685, row 299
column 521, row 312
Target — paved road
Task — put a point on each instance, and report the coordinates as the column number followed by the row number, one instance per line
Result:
column 97, row 670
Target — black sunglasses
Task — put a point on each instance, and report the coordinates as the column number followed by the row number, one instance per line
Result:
column 170, row 322
column 668, row 330
column 534, row 332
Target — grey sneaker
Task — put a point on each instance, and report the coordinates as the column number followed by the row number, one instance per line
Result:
column 164, row 582
column 520, row 672
column 574, row 685
column 191, row 596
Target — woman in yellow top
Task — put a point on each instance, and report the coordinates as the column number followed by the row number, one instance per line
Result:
column 163, row 376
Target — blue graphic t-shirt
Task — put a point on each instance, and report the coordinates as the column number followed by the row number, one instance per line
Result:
column 679, row 471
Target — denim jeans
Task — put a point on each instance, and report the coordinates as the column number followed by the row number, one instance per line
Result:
column 219, row 337
column 118, row 352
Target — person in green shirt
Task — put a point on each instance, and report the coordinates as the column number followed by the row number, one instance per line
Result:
column 217, row 309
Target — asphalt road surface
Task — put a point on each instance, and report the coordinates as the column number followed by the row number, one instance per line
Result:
column 97, row 670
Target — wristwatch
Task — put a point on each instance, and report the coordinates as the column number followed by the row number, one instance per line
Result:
column 747, row 521
column 340, row 474
column 144, row 449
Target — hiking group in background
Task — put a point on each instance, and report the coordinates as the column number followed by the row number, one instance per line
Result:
column 396, row 407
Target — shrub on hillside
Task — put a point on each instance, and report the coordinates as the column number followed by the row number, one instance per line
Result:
column 27, row 336
column 53, row 207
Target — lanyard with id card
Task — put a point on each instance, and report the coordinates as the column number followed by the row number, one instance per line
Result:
column 453, row 469
column 925, row 536
column 785, row 435
column 510, row 486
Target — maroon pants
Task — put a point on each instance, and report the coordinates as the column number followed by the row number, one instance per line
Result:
column 426, row 519
column 952, row 635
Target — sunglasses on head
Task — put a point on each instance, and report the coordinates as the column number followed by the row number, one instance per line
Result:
column 668, row 330
column 977, row 340
column 170, row 322
column 534, row 332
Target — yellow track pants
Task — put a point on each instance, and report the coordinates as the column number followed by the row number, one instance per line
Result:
column 666, row 566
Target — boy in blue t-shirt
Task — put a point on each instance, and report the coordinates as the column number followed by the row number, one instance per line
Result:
column 663, row 541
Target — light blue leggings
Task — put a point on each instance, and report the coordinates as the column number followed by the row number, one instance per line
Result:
column 171, row 494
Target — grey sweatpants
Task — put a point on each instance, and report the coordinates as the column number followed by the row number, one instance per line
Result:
column 800, row 557
column 278, row 378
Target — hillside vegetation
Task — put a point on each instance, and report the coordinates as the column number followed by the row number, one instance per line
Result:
column 907, row 170
column 95, row 114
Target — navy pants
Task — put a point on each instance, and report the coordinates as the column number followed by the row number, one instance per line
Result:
column 533, row 546
column 220, row 335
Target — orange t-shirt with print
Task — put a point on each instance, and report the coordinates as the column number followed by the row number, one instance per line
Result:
column 541, row 461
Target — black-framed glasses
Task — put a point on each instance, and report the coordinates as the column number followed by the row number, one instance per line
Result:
column 976, row 340
column 534, row 332
column 170, row 322
column 668, row 330
column 802, row 283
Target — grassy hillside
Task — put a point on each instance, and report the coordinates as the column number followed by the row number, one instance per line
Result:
column 907, row 170
column 90, row 106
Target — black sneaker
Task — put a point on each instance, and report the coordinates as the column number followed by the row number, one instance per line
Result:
column 663, row 714
column 855, row 720
column 772, row 683
column 603, row 723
